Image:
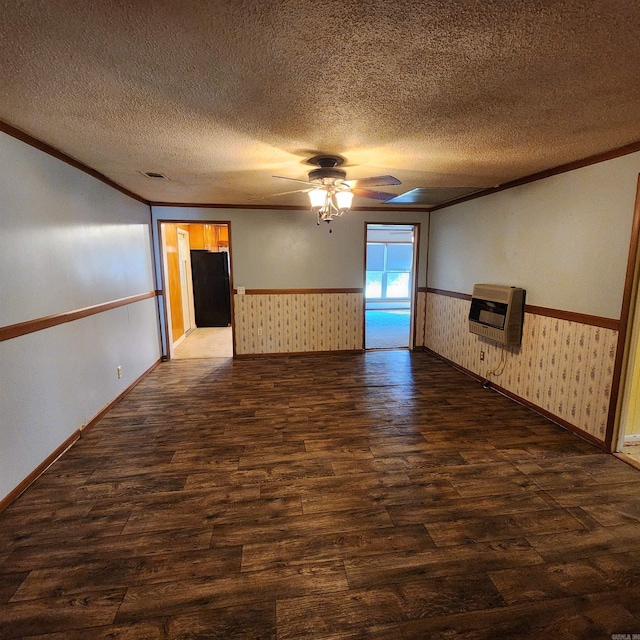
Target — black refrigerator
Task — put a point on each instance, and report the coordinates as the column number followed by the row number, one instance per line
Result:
column 211, row 294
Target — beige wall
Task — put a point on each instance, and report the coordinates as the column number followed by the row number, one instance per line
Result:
column 68, row 242
column 274, row 249
column 284, row 252
column 564, row 239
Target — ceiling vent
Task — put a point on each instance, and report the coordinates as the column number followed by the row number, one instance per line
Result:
column 154, row 175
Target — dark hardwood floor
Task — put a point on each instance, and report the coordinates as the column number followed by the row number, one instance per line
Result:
column 383, row 495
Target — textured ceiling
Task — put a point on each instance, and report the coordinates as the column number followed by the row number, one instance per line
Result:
column 220, row 96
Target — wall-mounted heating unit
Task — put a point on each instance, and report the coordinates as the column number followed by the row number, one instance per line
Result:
column 496, row 313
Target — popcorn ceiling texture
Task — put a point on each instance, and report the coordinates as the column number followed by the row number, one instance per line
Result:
column 222, row 95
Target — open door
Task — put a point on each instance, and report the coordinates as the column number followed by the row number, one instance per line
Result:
column 625, row 434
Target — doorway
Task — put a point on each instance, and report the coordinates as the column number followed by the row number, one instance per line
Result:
column 197, row 284
column 390, row 266
column 629, row 442
column 625, row 429
column 629, row 435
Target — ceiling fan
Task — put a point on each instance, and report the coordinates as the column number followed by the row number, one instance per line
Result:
column 330, row 193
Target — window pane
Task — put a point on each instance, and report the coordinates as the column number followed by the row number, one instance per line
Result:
column 398, row 285
column 399, row 257
column 375, row 257
column 373, row 287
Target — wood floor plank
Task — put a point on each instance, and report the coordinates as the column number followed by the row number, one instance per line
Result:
column 256, row 621
column 557, row 580
column 599, row 494
column 334, row 546
column 575, row 618
column 384, row 496
column 501, row 527
column 616, row 513
column 146, row 630
column 571, row 545
column 28, row 617
column 270, row 528
column 573, row 471
column 28, row 517
column 476, row 507
column 55, row 553
column 443, row 561
column 325, row 614
column 252, row 500
column 204, row 479
column 173, row 517
column 309, row 487
column 9, row 584
column 114, row 573
column 64, row 533
column 398, row 463
column 245, row 588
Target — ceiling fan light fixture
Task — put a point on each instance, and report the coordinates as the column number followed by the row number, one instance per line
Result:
column 330, row 194
column 317, row 197
column 344, row 199
column 330, row 200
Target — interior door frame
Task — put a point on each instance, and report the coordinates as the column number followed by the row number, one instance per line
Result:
column 190, row 311
column 165, row 325
column 413, row 298
column 628, row 338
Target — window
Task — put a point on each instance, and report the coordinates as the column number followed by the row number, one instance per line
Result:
column 388, row 271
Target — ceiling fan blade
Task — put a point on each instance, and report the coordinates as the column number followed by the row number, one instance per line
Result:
column 294, row 179
column 374, row 195
column 281, row 193
column 374, row 181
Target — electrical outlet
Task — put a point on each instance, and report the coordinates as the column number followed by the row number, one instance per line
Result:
column 482, row 355
column 260, row 331
column 119, row 373
column 240, row 291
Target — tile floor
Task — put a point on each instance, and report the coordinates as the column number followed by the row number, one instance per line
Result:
column 633, row 451
column 206, row 342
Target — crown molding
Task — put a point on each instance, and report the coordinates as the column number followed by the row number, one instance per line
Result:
column 547, row 173
column 59, row 155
